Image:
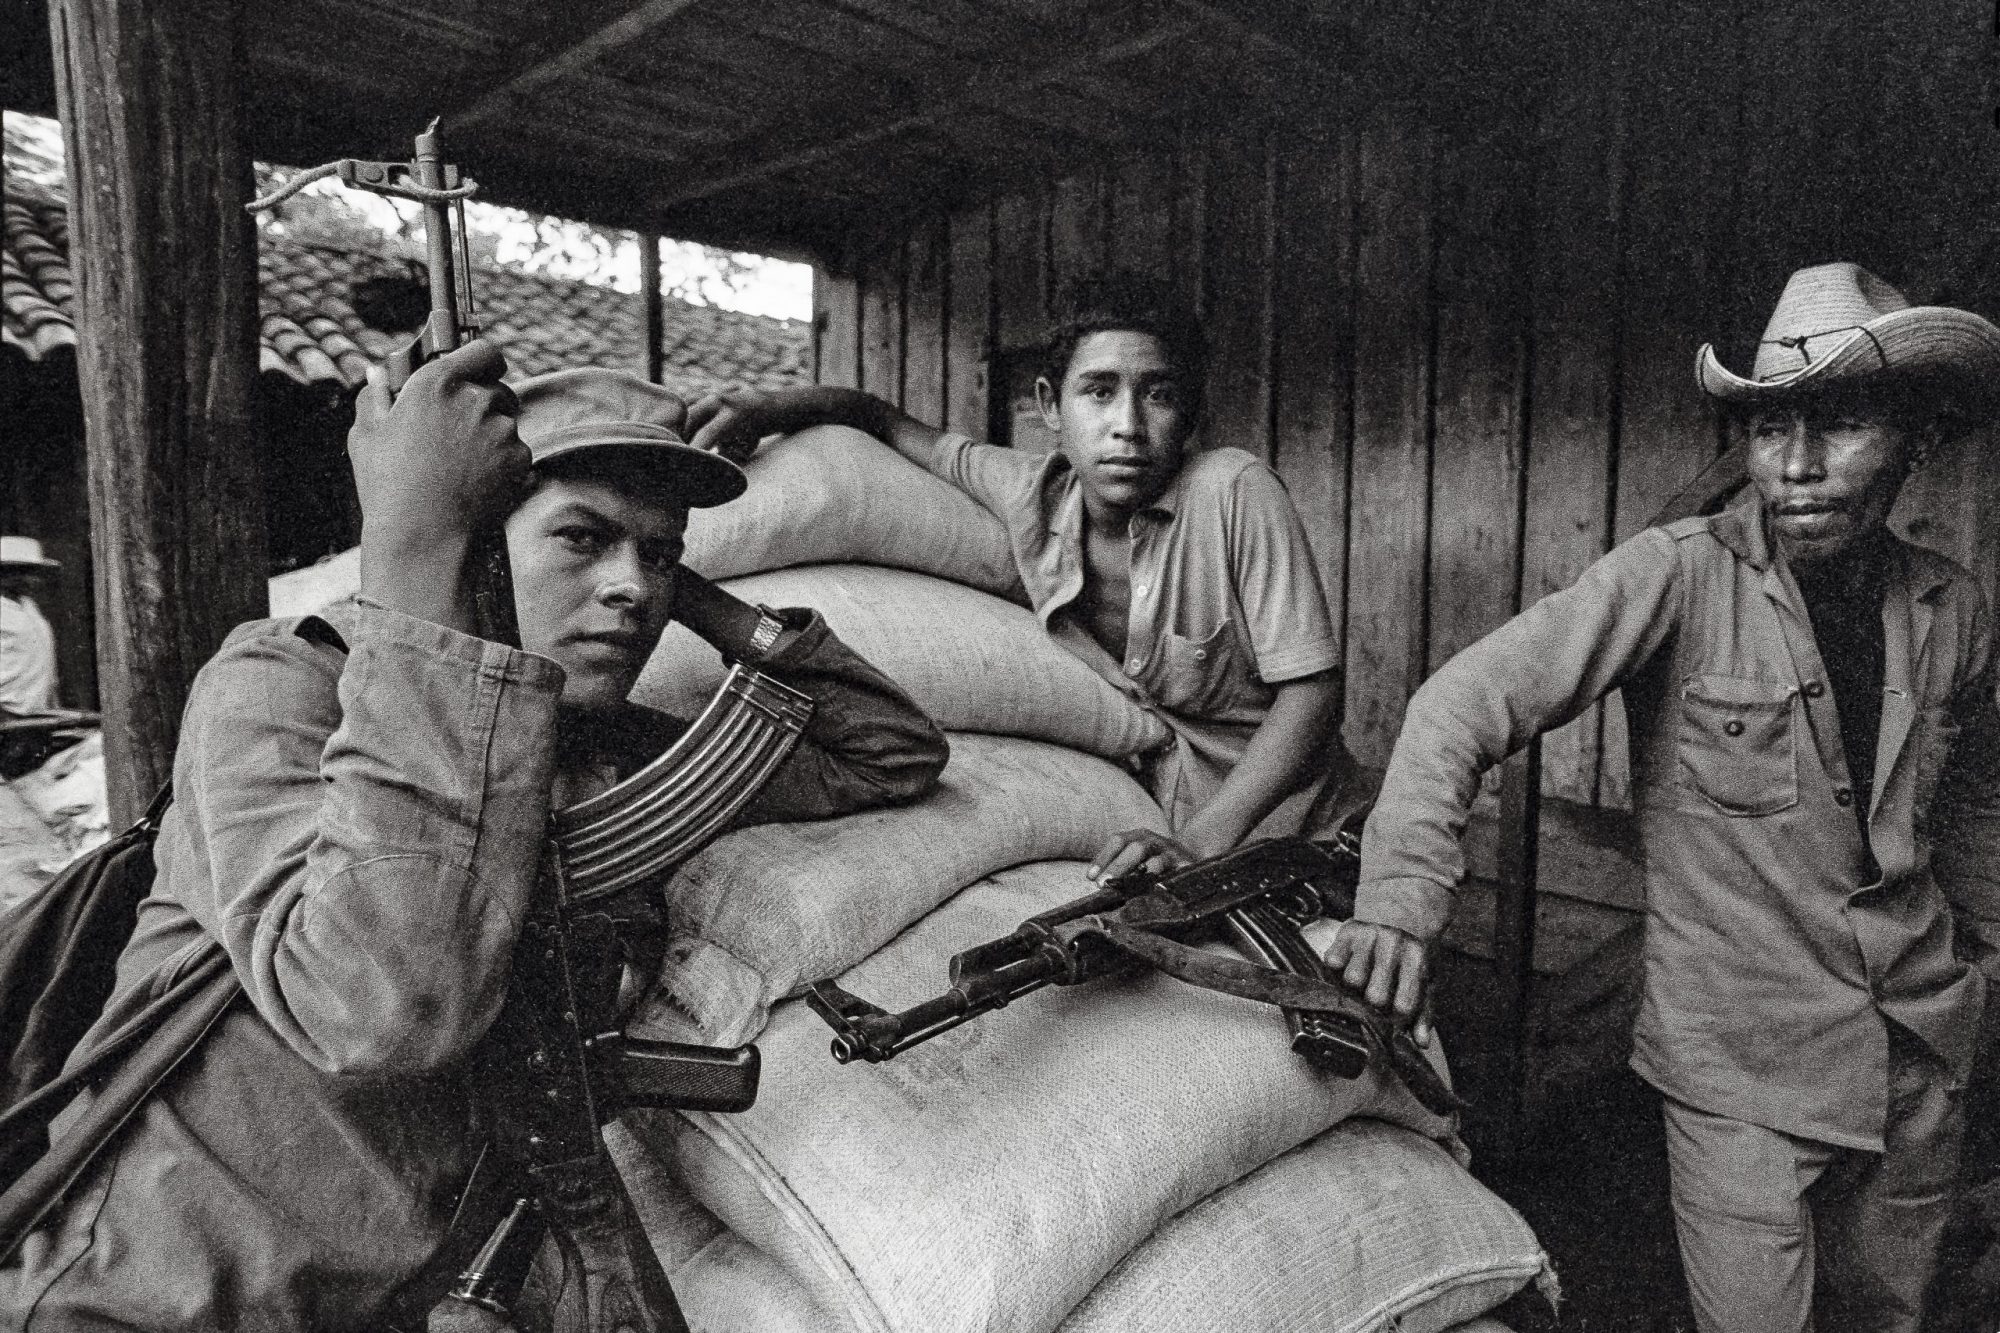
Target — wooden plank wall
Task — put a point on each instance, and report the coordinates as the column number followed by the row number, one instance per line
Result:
column 1468, row 347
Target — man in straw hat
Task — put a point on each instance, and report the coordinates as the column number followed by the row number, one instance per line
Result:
column 1816, row 772
column 361, row 807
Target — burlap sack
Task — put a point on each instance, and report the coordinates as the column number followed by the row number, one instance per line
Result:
column 831, row 494
column 969, row 659
column 1367, row 1228
column 990, row 1178
column 767, row 909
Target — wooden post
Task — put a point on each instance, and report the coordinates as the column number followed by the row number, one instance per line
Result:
column 655, row 320
column 165, row 261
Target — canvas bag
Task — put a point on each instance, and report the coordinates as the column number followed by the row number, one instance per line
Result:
column 831, row 494
column 989, row 1178
column 969, row 659
column 767, row 909
column 1368, row 1228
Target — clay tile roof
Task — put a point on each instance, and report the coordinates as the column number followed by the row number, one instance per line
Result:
column 310, row 334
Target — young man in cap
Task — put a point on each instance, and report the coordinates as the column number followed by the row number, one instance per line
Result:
column 1182, row 578
column 1816, row 771
column 360, row 811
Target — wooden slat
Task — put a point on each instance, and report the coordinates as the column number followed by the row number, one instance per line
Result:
column 1388, row 509
column 540, row 70
column 1477, row 467
column 1079, row 224
column 1575, row 312
column 836, row 329
column 1676, row 292
column 1236, row 295
column 924, row 315
column 882, row 322
column 1313, row 313
column 969, row 336
column 1020, row 269
column 1187, row 228
column 1142, row 192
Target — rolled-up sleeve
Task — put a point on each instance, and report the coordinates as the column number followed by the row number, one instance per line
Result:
column 868, row 743
column 1533, row 674
column 367, row 833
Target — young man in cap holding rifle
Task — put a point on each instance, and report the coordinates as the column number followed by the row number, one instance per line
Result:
column 362, row 804
column 1816, row 771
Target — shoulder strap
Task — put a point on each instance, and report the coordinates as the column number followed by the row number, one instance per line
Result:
column 166, row 1033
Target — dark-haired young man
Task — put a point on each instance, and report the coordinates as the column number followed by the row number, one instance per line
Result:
column 1182, row 578
column 361, row 804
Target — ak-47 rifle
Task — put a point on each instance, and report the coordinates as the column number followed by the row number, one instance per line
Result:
column 555, row 1068
column 1258, row 897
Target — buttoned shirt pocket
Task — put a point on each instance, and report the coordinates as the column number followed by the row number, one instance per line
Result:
column 1199, row 675
column 1738, row 743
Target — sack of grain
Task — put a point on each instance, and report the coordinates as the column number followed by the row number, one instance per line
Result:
column 767, row 909
column 301, row 592
column 834, row 494
column 1365, row 1229
column 990, row 1178
column 969, row 659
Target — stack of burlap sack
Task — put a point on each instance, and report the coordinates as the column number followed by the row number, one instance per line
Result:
column 1127, row 1155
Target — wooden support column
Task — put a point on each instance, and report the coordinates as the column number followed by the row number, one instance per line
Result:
column 165, row 261
column 653, row 323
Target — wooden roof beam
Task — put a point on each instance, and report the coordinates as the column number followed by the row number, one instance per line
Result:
column 1252, row 35
column 982, row 92
column 631, row 26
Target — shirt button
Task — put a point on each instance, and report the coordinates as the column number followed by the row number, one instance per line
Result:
column 1733, row 727
column 1132, row 667
column 1814, row 689
column 1201, row 654
column 1843, row 796
column 1139, row 591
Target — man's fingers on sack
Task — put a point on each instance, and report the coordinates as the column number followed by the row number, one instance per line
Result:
column 1121, row 853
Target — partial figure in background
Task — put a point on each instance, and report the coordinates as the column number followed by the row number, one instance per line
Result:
column 27, row 644
column 52, row 800
column 1816, row 770
column 1183, row 578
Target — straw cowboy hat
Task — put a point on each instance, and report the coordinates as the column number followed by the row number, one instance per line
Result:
column 24, row 553
column 1839, row 323
column 630, row 423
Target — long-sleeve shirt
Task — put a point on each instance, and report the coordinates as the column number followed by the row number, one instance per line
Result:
column 361, row 831
column 1775, row 947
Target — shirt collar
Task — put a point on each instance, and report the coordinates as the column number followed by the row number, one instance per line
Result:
column 1744, row 528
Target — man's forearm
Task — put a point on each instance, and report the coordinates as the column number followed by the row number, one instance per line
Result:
column 830, row 405
column 1301, row 728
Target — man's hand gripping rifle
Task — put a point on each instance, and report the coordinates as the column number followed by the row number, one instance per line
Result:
column 555, row 1066
column 1258, row 897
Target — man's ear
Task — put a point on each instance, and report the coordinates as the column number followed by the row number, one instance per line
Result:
column 1050, row 403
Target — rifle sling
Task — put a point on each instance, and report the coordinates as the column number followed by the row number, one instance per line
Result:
column 1230, row 976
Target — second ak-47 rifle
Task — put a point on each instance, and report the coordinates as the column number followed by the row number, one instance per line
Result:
column 1258, row 897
